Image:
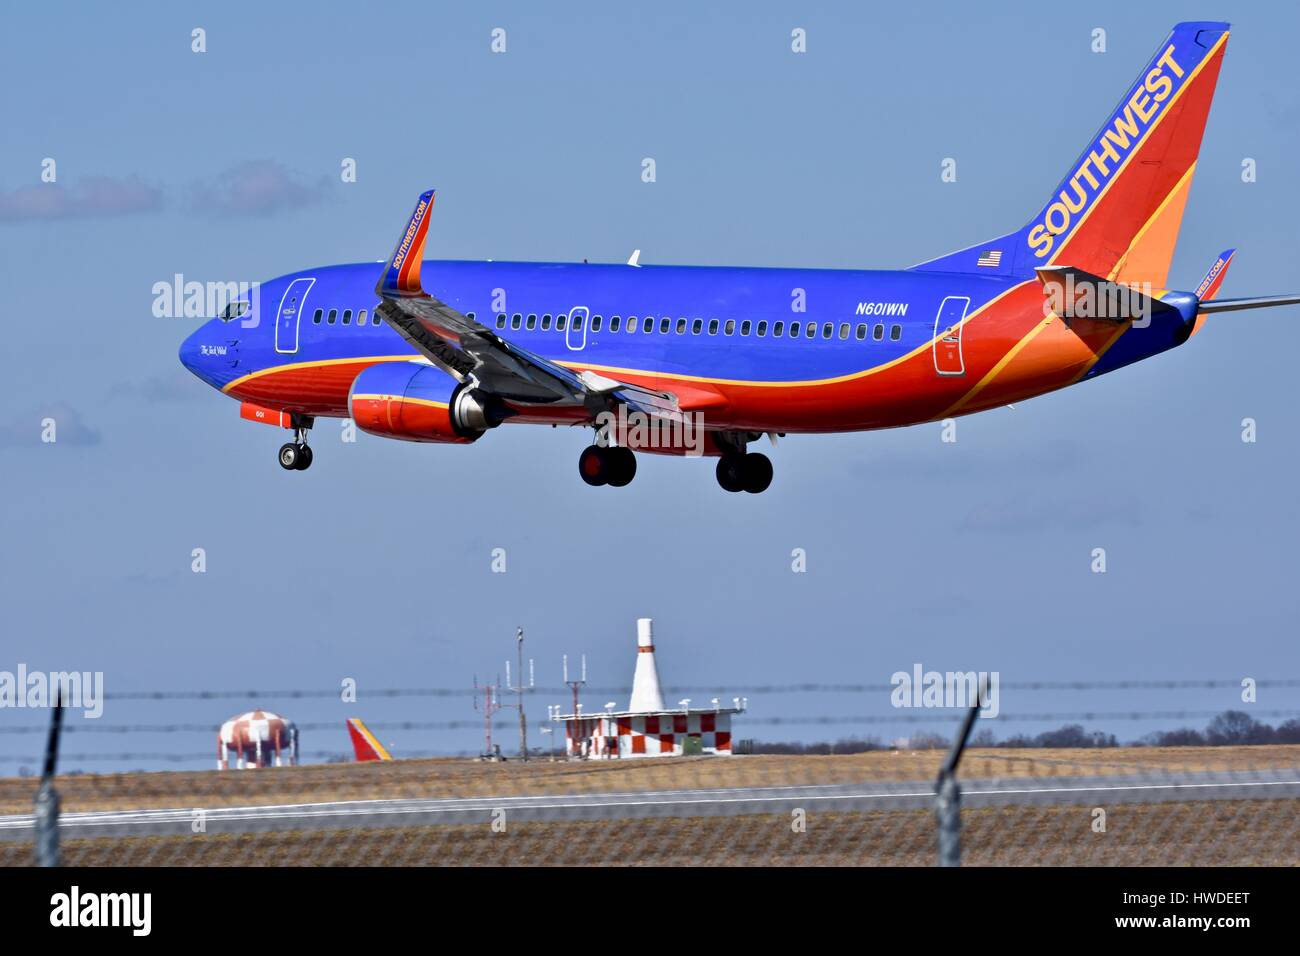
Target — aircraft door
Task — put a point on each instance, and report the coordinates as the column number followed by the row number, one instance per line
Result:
column 947, row 335
column 575, row 330
column 288, row 316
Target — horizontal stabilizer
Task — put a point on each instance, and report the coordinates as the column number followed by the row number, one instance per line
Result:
column 1258, row 302
column 1075, row 294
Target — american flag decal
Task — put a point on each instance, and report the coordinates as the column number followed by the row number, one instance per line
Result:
column 992, row 258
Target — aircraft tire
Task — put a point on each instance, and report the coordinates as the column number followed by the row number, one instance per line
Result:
column 756, row 473
column 594, row 466
column 304, row 458
column 289, row 456
column 622, row 466
column 731, row 473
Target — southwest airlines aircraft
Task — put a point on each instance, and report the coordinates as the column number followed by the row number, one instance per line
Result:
column 723, row 355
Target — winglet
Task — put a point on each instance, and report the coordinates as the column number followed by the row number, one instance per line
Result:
column 402, row 274
column 366, row 745
column 1213, row 280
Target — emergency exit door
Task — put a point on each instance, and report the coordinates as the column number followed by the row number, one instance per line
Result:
column 947, row 335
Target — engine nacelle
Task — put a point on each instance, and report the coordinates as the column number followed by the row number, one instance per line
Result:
column 416, row 402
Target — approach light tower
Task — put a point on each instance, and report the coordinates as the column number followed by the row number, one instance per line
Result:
column 519, row 690
column 491, row 704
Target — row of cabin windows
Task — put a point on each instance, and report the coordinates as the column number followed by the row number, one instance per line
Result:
column 333, row 316
column 791, row 330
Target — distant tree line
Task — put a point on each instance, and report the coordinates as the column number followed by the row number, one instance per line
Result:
column 1228, row 729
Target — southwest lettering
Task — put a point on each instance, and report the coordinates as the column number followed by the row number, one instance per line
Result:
column 1112, row 146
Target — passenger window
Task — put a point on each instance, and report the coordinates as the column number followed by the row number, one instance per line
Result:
column 744, row 327
column 516, row 320
column 615, row 323
column 664, row 325
column 333, row 317
column 576, row 325
column 730, row 327
column 681, row 326
column 713, row 326
column 794, row 330
column 777, row 329
column 317, row 317
column 895, row 333
column 374, row 318
column 468, row 315
column 347, row 316
column 532, row 322
column 762, row 329
column 862, row 330
column 648, row 325
column 697, row 327
column 844, row 330
column 878, row 332
column 560, row 322
column 828, row 330
column 361, row 317
column 501, row 321
column 631, row 324
column 546, row 322
column 596, row 323
column 810, row 330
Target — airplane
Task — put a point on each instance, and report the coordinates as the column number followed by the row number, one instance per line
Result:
column 695, row 360
column 365, row 744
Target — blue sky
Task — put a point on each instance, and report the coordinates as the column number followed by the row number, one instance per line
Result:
column 376, row 564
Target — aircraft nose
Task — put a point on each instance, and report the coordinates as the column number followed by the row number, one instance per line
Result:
column 191, row 354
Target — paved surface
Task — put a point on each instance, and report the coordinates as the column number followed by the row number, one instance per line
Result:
column 1092, row 791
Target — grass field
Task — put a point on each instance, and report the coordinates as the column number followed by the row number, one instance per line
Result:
column 451, row 777
column 1222, row 833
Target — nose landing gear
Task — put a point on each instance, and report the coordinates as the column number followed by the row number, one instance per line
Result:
column 296, row 455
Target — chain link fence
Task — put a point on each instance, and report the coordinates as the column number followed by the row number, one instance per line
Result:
column 1189, row 806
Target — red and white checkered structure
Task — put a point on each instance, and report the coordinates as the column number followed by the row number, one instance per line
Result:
column 647, row 728
column 258, row 738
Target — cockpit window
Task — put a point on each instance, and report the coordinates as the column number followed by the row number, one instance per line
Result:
column 234, row 311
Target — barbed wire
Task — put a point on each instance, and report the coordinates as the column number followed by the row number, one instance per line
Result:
column 931, row 715
column 806, row 688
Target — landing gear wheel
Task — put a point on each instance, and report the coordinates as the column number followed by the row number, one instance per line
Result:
column 731, row 473
column 756, row 472
column 304, row 457
column 622, row 466
column 290, row 455
column 593, row 466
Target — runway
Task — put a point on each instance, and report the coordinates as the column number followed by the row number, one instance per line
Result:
column 1092, row 791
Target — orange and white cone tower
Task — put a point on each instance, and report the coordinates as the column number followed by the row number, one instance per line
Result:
column 647, row 698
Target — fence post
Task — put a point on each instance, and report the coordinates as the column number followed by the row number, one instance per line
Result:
column 47, row 799
column 947, row 792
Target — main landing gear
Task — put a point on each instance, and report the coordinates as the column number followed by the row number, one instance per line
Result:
column 607, row 466
column 739, row 469
column 296, row 455
column 744, row 471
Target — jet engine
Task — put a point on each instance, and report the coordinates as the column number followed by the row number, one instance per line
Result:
column 416, row 402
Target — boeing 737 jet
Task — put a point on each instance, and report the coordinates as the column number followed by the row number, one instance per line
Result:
column 714, row 358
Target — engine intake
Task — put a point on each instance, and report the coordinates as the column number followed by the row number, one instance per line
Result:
column 411, row 401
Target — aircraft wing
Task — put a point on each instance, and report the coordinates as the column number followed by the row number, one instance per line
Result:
column 466, row 348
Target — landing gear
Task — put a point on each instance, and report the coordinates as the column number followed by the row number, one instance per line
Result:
column 607, row 466
column 296, row 455
column 749, row 472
